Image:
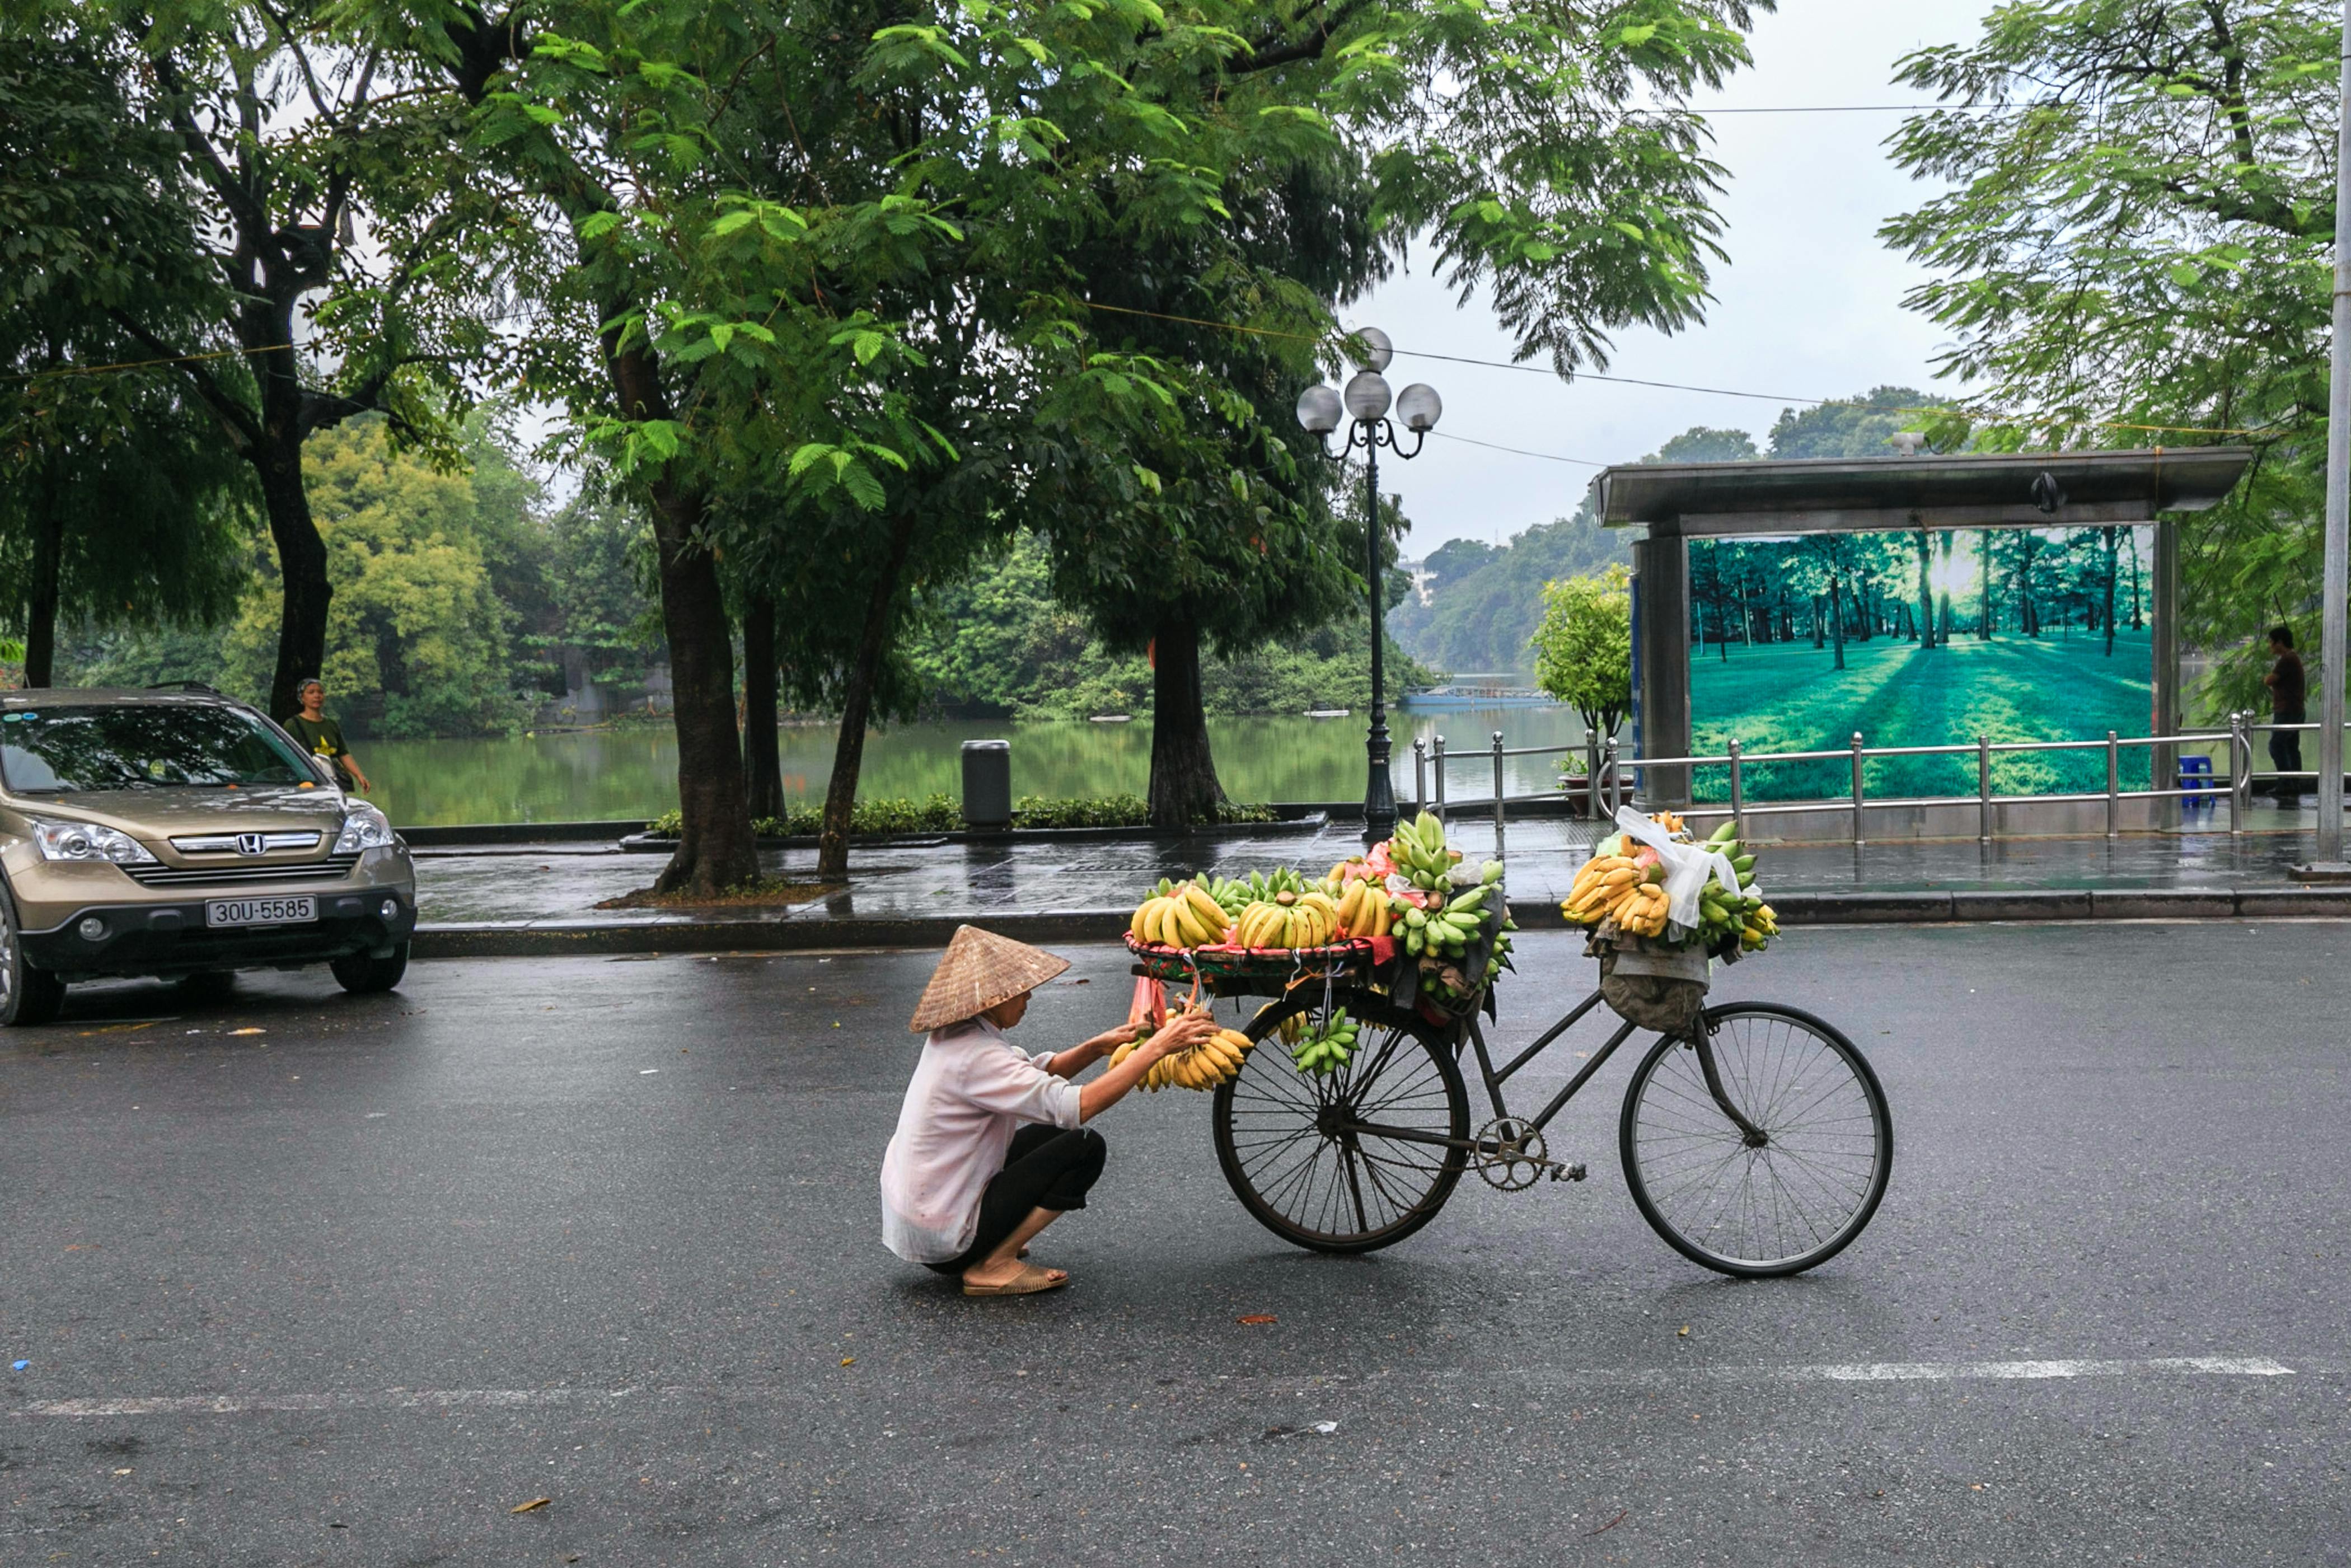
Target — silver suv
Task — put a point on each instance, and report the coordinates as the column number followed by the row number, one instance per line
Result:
column 179, row 834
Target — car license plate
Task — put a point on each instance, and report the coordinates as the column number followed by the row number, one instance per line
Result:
column 260, row 910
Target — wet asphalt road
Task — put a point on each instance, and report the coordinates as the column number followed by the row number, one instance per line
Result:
column 348, row 1289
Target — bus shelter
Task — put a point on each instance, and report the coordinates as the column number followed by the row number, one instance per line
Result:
column 1679, row 504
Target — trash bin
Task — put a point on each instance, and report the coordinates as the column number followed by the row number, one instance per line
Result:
column 987, row 783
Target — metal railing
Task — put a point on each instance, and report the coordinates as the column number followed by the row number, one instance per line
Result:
column 1606, row 782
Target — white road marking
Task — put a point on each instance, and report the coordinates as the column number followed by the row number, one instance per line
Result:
column 2035, row 1371
column 525, row 1398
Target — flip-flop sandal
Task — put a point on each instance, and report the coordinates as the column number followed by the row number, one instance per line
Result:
column 1031, row 1282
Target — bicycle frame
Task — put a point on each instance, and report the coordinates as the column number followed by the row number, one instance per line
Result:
column 1494, row 1080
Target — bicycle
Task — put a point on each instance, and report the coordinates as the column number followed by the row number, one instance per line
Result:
column 1759, row 1146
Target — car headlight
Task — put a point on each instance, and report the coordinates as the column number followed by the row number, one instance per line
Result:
column 88, row 841
column 364, row 828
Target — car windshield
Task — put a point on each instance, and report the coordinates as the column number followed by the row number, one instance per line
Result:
column 54, row 750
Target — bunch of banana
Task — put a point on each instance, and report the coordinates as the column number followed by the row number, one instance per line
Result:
column 1671, row 821
column 1419, row 852
column 1446, row 932
column 1365, row 910
column 1184, row 917
column 1230, row 896
column 1288, row 920
column 1204, row 1066
column 1643, row 913
column 1324, row 1051
column 1264, row 887
column 1739, row 912
column 1607, row 883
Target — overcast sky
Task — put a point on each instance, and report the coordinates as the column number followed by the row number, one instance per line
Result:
column 1809, row 304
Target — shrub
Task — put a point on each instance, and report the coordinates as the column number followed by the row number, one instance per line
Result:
column 942, row 814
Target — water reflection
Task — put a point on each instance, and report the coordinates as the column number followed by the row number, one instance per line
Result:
column 613, row 774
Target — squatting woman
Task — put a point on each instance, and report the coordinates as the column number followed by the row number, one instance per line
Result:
column 990, row 1148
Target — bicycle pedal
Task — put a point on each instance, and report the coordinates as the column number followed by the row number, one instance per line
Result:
column 1569, row 1173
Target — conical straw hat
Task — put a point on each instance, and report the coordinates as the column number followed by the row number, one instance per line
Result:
column 981, row 969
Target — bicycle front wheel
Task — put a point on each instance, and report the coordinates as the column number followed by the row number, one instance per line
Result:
column 1356, row 1160
column 1792, row 1195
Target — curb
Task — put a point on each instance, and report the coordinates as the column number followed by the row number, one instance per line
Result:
column 592, row 938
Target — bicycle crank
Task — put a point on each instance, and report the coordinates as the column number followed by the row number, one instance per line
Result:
column 1511, row 1156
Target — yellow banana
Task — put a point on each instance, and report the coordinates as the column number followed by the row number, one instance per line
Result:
column 1211, row 912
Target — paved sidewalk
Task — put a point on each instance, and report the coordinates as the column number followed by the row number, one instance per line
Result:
column 478, row 899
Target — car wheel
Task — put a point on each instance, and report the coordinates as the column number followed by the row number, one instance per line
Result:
column 27, row 996
column 362, row 975
column 208, row 986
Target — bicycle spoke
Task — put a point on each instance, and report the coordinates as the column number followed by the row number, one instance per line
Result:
column 1795, row 1196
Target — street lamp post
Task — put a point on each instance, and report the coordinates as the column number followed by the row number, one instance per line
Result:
column 1364, row 407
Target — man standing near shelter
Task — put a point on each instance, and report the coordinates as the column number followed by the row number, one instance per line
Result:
column 324, row 738
column 2286, row 688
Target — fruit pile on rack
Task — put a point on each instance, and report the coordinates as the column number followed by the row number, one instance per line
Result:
column 1410, row 902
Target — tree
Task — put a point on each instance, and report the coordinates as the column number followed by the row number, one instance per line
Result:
column 284, row 139
column 1699, row 444
column 1583, row 649
column 2132, row 250
column 1851, row 427
column 117, row 503
column 419, row 643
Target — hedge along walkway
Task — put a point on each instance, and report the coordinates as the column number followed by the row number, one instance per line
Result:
column 1789, row 697
column 541, row 899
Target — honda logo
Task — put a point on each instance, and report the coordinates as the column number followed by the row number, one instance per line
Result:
column 249, row 843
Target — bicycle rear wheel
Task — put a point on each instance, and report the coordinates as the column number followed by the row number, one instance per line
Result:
column 1722, row 1198
column 1354, row 1161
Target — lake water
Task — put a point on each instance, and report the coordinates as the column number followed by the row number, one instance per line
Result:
column 601, row 775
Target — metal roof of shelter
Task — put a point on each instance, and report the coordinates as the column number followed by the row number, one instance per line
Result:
column 1969, row 490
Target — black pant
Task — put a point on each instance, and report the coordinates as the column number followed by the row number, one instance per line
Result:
column 1046, row 1167
column 2285, row 755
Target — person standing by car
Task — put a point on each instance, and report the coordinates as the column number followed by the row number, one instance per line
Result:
column 324, row 738
column 2287, row 687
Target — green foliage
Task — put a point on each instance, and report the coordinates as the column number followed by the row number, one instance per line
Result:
column 2132, row 250
column 602, row 624
column 1486, row 603
column 1700, row 443
column 942, row 813
column 1855, row 427
column 119, row 504
column 1583, row 648
column 998, row 642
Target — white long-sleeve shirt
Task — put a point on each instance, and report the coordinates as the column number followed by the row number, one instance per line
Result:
column 971, row 1090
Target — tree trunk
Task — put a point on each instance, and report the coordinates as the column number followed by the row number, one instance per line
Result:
column 1984, row 592
column 2112, row 562
column 1925, row 592
column 1183, row 787
column 2027, row 619
column 715, row 848
column 857, row 707
column 41, row 605
column 1836, row 619
column 2135, row 623
column 763, row 763
column 304, row 591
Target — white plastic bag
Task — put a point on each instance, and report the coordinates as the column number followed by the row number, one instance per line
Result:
column 1687, row 866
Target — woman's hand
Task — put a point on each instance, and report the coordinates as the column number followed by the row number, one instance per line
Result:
column 1110, row 1039
column 1177, row 1034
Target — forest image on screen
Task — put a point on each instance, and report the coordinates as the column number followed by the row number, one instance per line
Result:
column 1921, row 638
